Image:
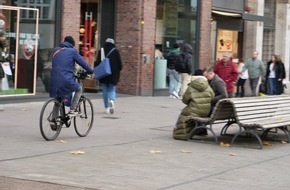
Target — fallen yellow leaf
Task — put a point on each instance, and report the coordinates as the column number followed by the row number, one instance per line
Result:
column 77, row 152
column 232, row 154
column 266, row 143
column 283, row 142
column 61, row 141
column 222, row 144
column 155, row 151
column 185, row 151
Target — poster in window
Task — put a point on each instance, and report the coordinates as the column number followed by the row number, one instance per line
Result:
column 225, row 40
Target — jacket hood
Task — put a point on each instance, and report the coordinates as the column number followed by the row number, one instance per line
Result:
column 187, row 48
column 200, row 84
column 109, row 46
column 66, row 44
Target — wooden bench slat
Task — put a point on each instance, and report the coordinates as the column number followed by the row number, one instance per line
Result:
column 262, row 115
column 263, row 109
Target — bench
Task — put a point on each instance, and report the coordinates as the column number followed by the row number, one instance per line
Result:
column 251, row 114
column 223, row 112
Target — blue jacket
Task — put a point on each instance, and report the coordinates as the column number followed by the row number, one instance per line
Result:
column 62, row 80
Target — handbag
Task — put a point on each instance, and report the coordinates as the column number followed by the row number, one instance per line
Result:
column 104, row 68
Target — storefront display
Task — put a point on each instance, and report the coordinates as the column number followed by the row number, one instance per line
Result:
column 30, row 34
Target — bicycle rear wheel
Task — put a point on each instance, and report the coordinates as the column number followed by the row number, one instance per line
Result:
column 84, row 122
column 50, row 119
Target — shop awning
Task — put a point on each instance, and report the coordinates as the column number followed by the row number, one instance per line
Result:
column 245, row 16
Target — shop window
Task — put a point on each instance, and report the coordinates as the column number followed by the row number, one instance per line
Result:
column 23, row 78
column 45, row 8
column 176, row 21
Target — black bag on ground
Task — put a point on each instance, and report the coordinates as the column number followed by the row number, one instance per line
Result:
column 263, row 87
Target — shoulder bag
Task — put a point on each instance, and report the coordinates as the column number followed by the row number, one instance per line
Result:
column 104, row 68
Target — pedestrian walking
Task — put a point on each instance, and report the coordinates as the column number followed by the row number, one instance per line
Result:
column 275, row 73
column 109, row 82
column 227, row 71
column 255, row 70
column 174, row 77
column 184, row 67
column 243, row 76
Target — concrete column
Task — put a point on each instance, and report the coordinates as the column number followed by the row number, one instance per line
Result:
column 282, row 33
column 254, row 30
column 259, row 28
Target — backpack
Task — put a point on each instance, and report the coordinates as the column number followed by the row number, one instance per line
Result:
column 181, row 65
column 172, row 59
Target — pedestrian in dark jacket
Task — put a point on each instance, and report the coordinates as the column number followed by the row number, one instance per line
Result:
column 280, row 85
column 109, row 83
column 62, row 81
column 275, row 73
column 186, row 55
column 174, row 76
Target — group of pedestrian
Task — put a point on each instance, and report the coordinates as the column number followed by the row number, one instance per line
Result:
column 63, row 82
column 253, row 69
column 201, row 96
column 179, row 65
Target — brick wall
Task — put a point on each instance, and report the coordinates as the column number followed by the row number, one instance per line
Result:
column 134, row 39
column 71, row 19
column 205, row 30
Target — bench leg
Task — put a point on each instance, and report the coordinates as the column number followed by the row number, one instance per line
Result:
column 284, row 129
column 227, row 125
column 191, row 134
column 252, row 132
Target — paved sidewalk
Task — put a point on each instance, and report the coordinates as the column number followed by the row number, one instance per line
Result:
column 130, row 150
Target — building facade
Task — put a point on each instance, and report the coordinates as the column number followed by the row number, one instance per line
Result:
column 144, row 32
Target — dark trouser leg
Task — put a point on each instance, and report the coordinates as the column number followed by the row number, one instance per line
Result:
column 55, row 111
column 230, row 94
column 243, row 87
column 253, row 85
column 76, row 98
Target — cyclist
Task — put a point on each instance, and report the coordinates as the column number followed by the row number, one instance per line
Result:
column 62, row 81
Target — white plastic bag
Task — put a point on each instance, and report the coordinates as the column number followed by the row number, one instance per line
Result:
column 5, row 85
column 102, row 54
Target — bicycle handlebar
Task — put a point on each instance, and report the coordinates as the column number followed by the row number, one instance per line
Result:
column 81, row 74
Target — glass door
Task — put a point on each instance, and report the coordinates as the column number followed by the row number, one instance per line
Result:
column 20, row 29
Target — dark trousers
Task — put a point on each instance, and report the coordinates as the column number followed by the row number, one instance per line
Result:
column 240, row 86
column 253, row 85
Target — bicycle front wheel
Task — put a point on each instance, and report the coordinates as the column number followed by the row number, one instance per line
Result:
column 84, row 122
column 49, row 121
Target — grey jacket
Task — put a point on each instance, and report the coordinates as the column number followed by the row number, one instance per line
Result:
column 219, row 87
column 255, row 68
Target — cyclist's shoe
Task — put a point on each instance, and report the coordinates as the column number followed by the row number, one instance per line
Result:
column 53, row 126
column 73, row 113
column 112, row 107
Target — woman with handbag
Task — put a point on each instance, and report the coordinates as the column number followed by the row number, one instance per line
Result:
column 109, row 82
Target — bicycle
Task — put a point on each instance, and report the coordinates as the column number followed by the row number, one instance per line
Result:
column 53, row 115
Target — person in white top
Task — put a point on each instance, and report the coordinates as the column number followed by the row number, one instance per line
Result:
column 243, row 76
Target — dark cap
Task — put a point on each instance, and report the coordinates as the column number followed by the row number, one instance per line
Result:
column 70, row 40
column 198, row 72
column 176, row 45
